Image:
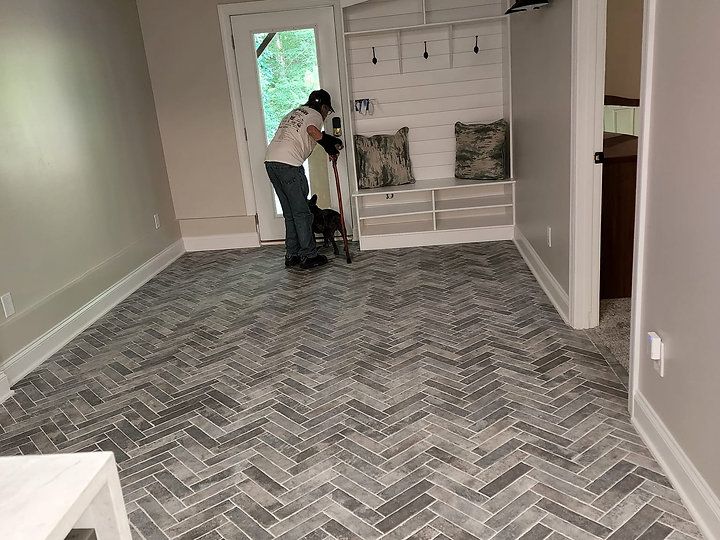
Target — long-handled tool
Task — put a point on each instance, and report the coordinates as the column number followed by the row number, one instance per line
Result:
column 333, row 159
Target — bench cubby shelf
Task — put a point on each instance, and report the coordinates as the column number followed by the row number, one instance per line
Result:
column 445, row 211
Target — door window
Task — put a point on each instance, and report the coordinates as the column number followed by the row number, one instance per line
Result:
column 288, row 71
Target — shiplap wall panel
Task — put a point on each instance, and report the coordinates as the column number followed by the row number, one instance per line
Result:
column 413, row 80
column 370, row 125
column 434, row 146
column 435, row 158
column 429, row 96
column 434, row 5
column 450, row 105
column 366, row 69
column 435, row 134
column 383, row 14
column 378, row 10
column 458, row 14
column 441, row 90
column 432, row 173
column 494, row 28
column 488, row 28
column 444, row 134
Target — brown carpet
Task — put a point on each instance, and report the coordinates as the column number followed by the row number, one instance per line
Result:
column 613, row 333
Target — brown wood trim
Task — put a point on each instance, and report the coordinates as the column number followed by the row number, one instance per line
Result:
column 622, row 101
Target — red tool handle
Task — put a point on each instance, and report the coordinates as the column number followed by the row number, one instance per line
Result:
column 333, row 159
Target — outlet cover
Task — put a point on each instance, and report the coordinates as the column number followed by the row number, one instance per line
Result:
column 8, row 306
column 156, row 217
column 549, row 237
column 657, row 353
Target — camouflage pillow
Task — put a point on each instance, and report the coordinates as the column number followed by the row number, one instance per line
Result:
column 383, row 160
column 481, row 151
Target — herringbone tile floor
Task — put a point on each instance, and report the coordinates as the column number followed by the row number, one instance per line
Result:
column 426, row 393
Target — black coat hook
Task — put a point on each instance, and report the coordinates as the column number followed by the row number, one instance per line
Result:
column 374, row 58
column 425, row 54
column 476, row 49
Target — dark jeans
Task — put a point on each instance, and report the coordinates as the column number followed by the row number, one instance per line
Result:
column 291, row 186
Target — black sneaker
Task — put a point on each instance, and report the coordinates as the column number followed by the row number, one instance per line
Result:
column 312, row 262
column 292, row 261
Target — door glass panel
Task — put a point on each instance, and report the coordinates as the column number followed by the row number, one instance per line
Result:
column 288, row 71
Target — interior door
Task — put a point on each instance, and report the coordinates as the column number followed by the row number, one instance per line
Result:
column 281, row 56
column 618, row 216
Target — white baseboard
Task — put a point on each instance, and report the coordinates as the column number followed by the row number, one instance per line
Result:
column 697, row 495
column 42, row 348
column 5, row 391
column 221, row 241
column 547, row 281
column 436, row 238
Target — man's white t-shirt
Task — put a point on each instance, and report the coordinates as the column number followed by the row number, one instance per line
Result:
column 292, row 144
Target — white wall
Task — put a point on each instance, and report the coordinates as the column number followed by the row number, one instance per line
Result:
column 680, row 284
column 624, row 48
column 187, row 68
column 81, row 163
column 429, row 96
column 541, row 46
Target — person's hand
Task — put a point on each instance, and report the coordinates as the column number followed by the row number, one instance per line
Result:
column 331, row 145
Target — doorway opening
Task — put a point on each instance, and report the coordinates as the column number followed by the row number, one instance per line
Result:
column 288, row 71
column 621, row 126
column 275, row 59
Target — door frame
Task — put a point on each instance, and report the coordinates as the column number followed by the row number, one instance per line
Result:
column 225, row 11
column 585, row 229
column 587, row 99
column 637, row 341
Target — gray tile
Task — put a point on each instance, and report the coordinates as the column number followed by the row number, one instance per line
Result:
column 538, row 532
column 404, row 513
column 505, row 479
column 422, row 393
column 637, row 524
column 656, row 531
column 607, row 480
column 576, row 519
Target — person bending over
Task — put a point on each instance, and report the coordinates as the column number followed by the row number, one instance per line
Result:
column 296, row 137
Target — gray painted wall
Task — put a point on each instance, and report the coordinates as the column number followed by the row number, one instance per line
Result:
column 541, row 44
column 681, row 284
column 187, row 69
column 81, row 163
column 624, row 48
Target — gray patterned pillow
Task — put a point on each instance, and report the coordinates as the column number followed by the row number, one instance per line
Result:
column 481, row 151
column 383, row 160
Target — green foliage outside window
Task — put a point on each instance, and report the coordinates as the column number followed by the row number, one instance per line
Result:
column 288, row 70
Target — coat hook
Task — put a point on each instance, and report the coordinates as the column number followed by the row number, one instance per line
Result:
column 374, row 58
column 425, row 54
column 476, row 49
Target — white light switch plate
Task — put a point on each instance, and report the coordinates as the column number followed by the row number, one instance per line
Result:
column 7, row 304
column 156, row 217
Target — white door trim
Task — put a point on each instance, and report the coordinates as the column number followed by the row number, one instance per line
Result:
column 646, row 87
column 225, row 11
column 588, row 90
column 586, row 203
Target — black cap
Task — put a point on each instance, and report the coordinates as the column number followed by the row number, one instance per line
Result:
column 318, row 98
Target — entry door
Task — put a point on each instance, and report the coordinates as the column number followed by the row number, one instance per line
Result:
column 281, row 57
